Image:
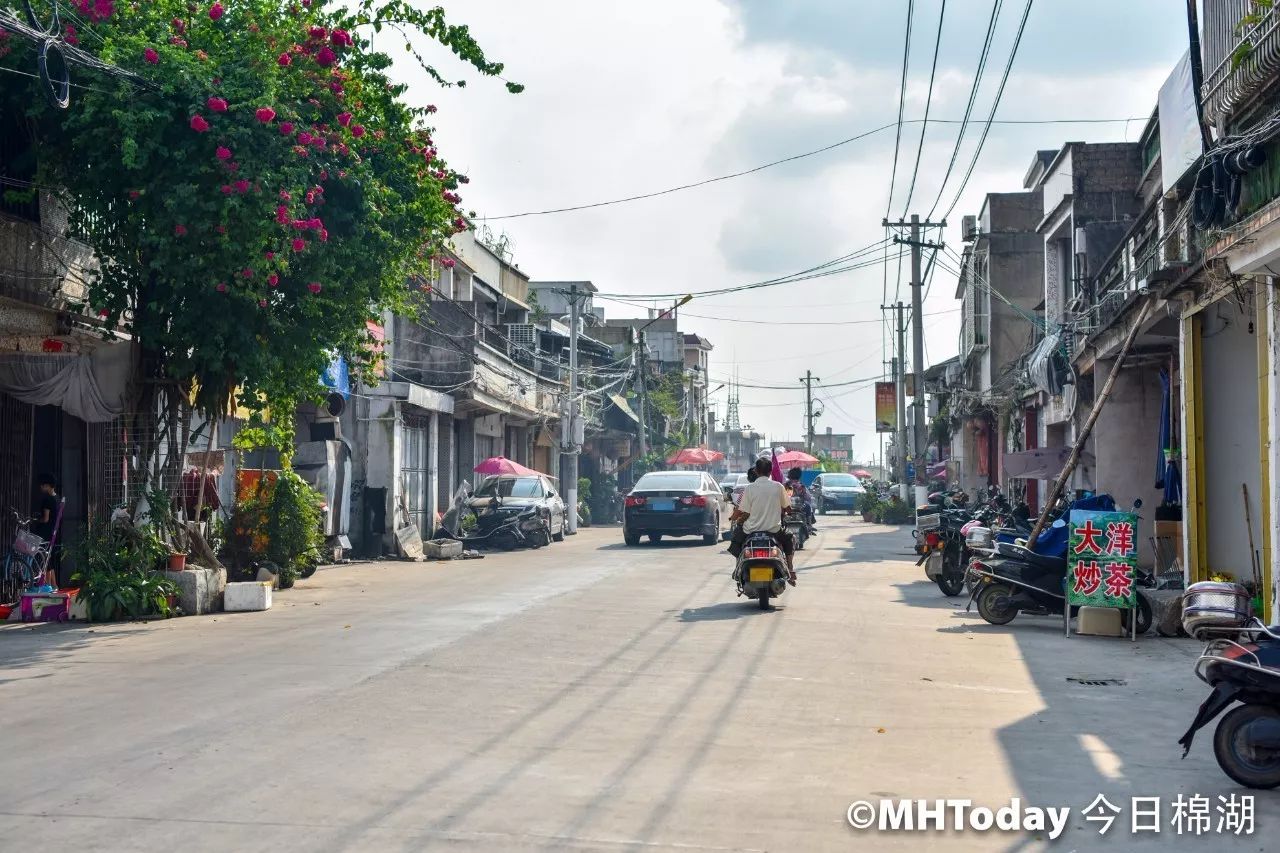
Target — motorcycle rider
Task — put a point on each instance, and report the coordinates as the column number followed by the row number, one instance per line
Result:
column 760, row 510
column 798, row 488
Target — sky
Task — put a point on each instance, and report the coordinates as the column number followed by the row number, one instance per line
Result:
column 630, row 98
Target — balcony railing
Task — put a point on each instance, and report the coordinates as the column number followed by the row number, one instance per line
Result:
column 1239, row 58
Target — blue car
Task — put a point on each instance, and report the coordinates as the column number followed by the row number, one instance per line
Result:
column 836, row 491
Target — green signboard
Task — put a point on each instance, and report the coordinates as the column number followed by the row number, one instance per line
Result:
column 1102, row 559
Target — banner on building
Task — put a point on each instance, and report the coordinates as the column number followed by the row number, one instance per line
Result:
column 1181, row 140
column 1102, row 560
column 886, row 407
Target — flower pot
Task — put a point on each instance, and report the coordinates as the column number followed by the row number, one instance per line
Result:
column 177, row 562
column 868, row 516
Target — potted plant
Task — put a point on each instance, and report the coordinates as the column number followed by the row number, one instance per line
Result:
column 868, row 505
column 177, row 561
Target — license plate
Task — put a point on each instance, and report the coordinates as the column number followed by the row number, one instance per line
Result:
column 760, row 575
column 662, row 506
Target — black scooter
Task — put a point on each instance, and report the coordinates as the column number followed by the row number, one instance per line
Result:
column 1246, row 742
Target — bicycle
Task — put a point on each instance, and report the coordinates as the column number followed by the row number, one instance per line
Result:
column 25, row 564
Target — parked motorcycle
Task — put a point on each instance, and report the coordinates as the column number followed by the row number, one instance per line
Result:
column 942, row 542
column 761, row 571
column 795, row 523
column 1244, row 670
column 1015, row 579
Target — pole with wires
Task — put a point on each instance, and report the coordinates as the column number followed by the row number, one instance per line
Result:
column 571, row 432
column 808, row 409
column 899, row 379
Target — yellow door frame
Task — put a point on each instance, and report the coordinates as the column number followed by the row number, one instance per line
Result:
column 1194, row 517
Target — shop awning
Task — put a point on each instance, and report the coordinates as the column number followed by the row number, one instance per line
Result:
column 1043, row 463
column 621, row 403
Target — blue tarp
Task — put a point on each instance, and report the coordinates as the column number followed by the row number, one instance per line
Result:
column 336, row 377
column 1054, row 541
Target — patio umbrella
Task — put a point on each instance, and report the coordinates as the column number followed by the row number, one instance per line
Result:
column 695, row 456
column 499, row 465
column 1043, row 463
column 796, row 457
column 862, row 474
column 938, row 470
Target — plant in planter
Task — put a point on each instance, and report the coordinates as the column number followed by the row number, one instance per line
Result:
column 869, row 504
column 584, row 500
column 895, row 511
column 117, row 576
column 277, row 523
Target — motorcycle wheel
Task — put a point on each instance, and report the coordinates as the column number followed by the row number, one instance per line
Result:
column 994, row 604
column 1144, row 616
column 950, row 586
column 1235, row 745
column 763, row 599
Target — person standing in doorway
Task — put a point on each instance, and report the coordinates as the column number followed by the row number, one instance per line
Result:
column 44, row 519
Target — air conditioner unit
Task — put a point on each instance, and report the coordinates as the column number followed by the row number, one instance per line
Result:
column 968, row 228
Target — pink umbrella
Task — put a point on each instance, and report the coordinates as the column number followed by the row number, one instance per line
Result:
column 862, row 474
column 796, row 457
column 695, row 456
column 499, row 465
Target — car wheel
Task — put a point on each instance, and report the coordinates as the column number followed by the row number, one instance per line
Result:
column 564, row 525
column 632, row 539
column 713, row 537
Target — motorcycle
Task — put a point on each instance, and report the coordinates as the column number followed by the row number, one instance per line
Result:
column 1015, row 579
column 761, row 570
column 1246, row 742
column 943, row 541
column 795, row 523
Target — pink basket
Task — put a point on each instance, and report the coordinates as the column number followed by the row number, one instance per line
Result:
column 27, row 543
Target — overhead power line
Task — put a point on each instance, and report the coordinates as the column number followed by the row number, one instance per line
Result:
column 973, row 97
column 790, row 159
column 902, row 102
column 924, row 128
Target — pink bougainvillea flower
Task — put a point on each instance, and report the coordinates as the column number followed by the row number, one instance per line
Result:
column 273, row 279
column 223, row 153
column 282, row 214
column 325, row 57
column 431, row 108
column 179, row 230
column 298, row 224
column 221, row 229
column 284, row 194
column 221, row 287
column 301, row 150
column 357, row 131
column 216, row 105
column 324, row 176
column 202, row 56
column 342, row 173
column 177, row 41
column 134, row 193
column 262, row 303
column 341, row 38
column 151, row 56
column 226, row 189
column 324, row 235
column 314, row 287
column 103, row 313
column 344, row 149
column 284, row 60
column 70, row 37
column 317, row 141
column 344, row 119
column 286, row 127
column 447, row 262
column 318, row 33
column 246, row 273
column 304, row 137
column 265, row 114
column 179, row 25
column 242, row 186
column 216, row 11
column 311, row 198
column 299, row 244
column 269, row 255
column 314, row 223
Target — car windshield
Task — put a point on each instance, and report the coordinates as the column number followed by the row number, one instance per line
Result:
column 840, row 481
column 658, row 482
column 510, row 487
column 742, row 480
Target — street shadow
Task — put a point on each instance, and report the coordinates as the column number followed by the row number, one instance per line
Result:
column 42, row 643
column 726, row 610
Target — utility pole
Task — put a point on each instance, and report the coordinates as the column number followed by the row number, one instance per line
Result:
column 900, row 380
column 642, row 377
column 571, row 428
column 921, row 443
column 808, row 380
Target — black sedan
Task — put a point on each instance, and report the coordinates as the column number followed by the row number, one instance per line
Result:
column 836, row 491
column 673, row 503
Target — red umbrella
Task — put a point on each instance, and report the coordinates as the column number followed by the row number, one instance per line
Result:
column 695, row 456
column 796, row 457
column 498, row 465
column 862, row 474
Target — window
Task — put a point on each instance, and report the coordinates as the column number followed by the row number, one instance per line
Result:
column 511, row 487
column 657, row 482
column 839, row 481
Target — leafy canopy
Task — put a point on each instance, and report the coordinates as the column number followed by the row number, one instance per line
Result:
column 257, row 190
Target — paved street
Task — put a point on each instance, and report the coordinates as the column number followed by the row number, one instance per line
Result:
column 587, row 696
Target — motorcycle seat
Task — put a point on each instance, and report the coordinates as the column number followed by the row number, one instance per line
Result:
column 1026, row 555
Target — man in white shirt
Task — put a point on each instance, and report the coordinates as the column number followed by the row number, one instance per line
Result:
column 761, row 508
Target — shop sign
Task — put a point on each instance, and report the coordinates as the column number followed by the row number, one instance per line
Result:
column 886, row 407
column 1102, row 559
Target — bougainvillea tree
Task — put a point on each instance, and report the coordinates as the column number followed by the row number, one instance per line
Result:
column 255, row 191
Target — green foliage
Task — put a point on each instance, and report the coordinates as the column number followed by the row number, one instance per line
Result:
column 834, row 466
column 239, row 135
column 603, row 501
column 278, row 523
column 584, row 499
column 117, row 574
column 895, row 511
column 869, row 502
column 666, row 396
column 651, row 461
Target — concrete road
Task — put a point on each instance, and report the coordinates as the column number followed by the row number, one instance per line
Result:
column 590, row 696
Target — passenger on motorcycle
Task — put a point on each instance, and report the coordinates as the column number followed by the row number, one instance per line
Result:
column 797, row 488
column 761, row 510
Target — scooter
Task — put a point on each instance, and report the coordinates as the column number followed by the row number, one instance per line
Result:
column 761, row 571
column 1246, row 742
column 793, row 521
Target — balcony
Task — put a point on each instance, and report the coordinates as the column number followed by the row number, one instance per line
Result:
column 40, row 267
column 1241, row 49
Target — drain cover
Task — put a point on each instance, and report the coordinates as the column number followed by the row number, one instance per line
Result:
column 1090, row 681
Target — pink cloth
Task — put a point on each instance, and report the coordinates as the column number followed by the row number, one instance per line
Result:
column 777, row 470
